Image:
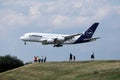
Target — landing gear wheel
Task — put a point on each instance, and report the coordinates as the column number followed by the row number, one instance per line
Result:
column 25, row 43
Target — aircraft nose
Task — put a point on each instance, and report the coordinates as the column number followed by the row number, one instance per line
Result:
column 22, row 37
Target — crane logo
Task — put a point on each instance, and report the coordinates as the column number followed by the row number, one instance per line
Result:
column 89, row 32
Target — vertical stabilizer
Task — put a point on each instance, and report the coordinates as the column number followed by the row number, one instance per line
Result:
column 88, row 33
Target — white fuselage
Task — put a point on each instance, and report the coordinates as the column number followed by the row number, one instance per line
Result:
column 58, row 39
column 48, row 38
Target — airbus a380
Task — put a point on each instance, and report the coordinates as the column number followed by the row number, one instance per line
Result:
column 58, row 40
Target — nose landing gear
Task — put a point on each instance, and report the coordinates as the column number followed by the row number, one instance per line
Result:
column 24, row 42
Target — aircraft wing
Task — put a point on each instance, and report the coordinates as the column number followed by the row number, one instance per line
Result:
column 57, row 40
column 71, row 36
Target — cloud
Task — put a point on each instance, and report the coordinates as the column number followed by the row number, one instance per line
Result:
column 10, row 19
column 54, row 14
column 59, row 20
column 13, row 18
column 96, row 15
column 116, row 9
column 34, row 11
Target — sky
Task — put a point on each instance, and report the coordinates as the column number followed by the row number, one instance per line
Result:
column 18, row 17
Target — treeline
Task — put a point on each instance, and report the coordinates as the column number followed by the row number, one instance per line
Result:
column 8, row 62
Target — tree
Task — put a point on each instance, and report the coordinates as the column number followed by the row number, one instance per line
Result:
column 8, row 62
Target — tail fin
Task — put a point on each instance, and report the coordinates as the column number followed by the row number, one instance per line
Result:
column 87, row 34
column 90, row 31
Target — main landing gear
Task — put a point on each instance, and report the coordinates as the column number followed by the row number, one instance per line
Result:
column 58, row 45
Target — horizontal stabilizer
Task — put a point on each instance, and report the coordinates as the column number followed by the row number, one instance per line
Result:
column 92, row 39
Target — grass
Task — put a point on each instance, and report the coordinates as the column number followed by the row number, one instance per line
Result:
column 86, row 70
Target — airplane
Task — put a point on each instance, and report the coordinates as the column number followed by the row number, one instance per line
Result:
column 58, row 40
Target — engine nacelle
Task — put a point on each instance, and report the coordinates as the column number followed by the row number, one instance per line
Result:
column 60, row 39
column 50, row 41
column 56, row 40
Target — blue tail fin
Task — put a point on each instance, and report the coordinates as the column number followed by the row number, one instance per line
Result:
column 88, row 33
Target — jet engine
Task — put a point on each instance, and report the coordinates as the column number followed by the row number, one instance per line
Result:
column 60, row 39
column 56, row 40
column 50, row 41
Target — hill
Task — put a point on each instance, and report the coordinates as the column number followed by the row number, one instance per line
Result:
column 85, row 70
